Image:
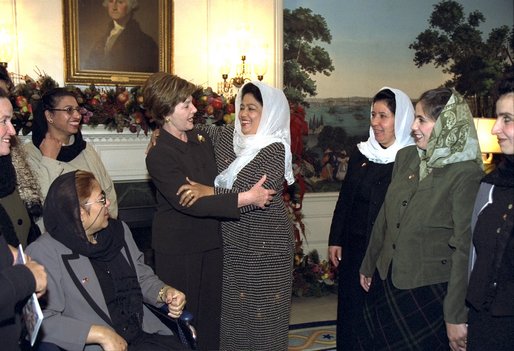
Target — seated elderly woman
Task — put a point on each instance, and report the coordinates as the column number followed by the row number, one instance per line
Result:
column 97, row 280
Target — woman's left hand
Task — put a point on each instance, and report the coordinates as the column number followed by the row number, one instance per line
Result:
column 190, row 193
column 176, row 300
column 458, row 336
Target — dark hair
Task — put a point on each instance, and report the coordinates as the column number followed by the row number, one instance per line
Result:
column 434, row 100
column 162, row 92
column 505, row 85
column 48, row 101
column 4, row 75
column 251, row 88
column 4, row 94
column 388, row 97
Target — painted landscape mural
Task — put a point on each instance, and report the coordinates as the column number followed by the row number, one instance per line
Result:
column 338, row 54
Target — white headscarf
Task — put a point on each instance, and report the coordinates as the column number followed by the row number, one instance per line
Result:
column 273, row 128
column 403, row 118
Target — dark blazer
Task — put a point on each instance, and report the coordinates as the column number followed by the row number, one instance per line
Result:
column 74, row 296
column 423, row 229
column 178, row 229
column 133, row 51
column 491, row 283
column 16, row 284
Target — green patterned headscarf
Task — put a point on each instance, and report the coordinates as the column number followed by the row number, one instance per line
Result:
column 453, row 139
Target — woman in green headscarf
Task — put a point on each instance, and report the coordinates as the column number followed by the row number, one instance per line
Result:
column 415, row 268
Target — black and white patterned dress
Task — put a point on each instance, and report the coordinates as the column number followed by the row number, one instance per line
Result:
column 258, row 255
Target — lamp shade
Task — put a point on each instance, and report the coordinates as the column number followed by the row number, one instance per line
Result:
column 488, row 142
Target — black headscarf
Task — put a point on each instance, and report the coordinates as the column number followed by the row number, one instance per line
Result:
column 61, row 216
column 7, row 176
column 503, row 175
column 40, row 128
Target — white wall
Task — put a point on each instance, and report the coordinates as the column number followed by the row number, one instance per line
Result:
column 201, row 29
column 203, row 32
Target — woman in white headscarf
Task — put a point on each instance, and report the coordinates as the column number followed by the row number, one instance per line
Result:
column 258, row 249
column 362, row 193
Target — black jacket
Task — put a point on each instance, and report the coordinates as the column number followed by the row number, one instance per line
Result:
column 16, row 284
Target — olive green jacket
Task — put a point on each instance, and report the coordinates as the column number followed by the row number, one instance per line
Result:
column 423, row 229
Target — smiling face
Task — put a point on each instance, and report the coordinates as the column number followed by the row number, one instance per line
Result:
column 422, row 127
column 6, row 127
column 504, row 126
column 382, row 123
column 250, row 113
column 61, row 124
column 181, row 120
column 94, row 213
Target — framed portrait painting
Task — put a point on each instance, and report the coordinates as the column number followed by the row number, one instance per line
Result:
column 117, row 41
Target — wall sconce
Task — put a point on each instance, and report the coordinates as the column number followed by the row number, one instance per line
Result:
column 488, row 142
column 232, row 85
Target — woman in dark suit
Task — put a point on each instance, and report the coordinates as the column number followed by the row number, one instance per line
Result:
column 97, row 277
column 417, row 258
column 187, row 240
column 491, row 285
column 362, row 193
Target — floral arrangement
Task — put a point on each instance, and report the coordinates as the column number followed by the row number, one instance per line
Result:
column 213, row 108
column 117, row 108
column 312, row 277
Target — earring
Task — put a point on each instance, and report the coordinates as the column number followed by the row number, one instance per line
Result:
column 167, row 119
column 51, row 121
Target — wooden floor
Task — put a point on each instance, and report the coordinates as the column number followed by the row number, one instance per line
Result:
column 313, row 309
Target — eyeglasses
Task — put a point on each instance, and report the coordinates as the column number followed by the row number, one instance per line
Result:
column 102, row 200
column 69, row 110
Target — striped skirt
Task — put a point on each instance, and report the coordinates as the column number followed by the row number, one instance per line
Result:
column 409, row 319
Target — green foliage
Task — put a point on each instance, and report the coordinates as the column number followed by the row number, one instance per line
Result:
column 455, row 43
column 302, row 58
column 332, row 138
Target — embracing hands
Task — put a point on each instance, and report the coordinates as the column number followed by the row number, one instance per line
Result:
column 193, row 191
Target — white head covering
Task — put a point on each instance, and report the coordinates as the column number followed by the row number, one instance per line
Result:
column 273, row 128
column 403, row 118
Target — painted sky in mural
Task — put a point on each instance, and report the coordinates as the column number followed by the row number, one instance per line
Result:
column 370, row 42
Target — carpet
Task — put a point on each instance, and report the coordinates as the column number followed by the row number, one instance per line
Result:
column 315, row 336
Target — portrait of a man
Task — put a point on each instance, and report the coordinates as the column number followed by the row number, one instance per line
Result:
column 119, row 36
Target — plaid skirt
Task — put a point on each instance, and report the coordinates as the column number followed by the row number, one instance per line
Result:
column 409, row 319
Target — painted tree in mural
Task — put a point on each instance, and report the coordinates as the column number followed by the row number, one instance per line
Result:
column 302, row 57
column 455, row 43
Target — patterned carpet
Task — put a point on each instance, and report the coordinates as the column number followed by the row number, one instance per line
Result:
column 315, row 336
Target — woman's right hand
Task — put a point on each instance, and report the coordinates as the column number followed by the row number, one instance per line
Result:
column 50, row 147
column 365, row 282
column 106, row 337
column 153, row 140
column 335, row 253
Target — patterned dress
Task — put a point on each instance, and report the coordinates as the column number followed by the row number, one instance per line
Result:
column 258, row 256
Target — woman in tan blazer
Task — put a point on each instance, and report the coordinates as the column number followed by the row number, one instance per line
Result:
column 415, row 267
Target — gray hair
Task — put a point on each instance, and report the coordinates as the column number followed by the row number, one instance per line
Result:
column 131, row 3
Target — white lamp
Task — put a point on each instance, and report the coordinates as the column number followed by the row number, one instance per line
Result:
column 488, row 142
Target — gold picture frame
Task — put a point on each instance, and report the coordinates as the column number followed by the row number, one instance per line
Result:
column 131, row 60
